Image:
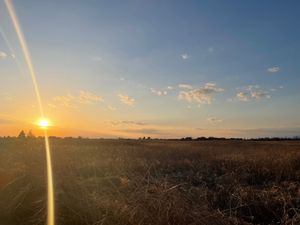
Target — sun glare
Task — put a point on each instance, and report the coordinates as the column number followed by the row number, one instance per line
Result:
column 43, row 123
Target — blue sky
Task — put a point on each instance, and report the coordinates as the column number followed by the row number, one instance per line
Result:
column 158, row 68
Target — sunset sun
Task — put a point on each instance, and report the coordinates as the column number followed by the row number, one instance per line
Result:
column 43, row 123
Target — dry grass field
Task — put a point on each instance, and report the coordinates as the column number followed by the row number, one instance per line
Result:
column 158, row 182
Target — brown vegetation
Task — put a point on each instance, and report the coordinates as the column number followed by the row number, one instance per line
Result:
column 155, row 182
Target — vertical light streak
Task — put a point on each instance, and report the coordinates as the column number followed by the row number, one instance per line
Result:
column 26, row 53
column 11, row 49
column 50, row 207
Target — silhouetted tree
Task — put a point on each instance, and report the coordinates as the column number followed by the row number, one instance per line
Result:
column 22, row 134
column 187, row 139
column 30, row 134
column 201, row 138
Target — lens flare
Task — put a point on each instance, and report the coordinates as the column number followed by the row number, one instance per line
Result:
column 12, row 50
column 43, row 123
column 26, row 53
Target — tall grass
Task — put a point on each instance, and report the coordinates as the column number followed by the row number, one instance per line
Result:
column 119, row 182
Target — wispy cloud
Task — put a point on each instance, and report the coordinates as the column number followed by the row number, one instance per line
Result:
column 128, row 123
column 214, row 120
column 243, row 96
column 111, row 108
column 3, row 55
column 274, row 69
column 158, row 92
column 142, row 131
column 201, row 95
column 252, row 92
column 185, row 56
column 71, row 101
column 86, row 97
column 65, row 100
column 126, row 100
column 185, row 86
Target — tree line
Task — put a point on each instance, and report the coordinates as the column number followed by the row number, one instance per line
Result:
column 30, row 134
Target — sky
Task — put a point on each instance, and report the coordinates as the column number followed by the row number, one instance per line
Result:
column 163, row 69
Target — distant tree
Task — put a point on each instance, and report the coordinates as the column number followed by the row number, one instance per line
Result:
column 30, row 134
column 68, row 138
column 148, row 138
column 187, row 139
column 22, row 134
column 201, row 138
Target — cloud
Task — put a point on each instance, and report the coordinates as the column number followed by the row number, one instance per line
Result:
column 243, row 96
column 170, row 88
column 127, row 122
column 185, row 56
column 158, row 92
column 71, row 101
column 126, row 99
column 213, row 120
column 86, row 97
column 274, row 69
column 142, row 131
column 185, row 86
column 201, row 95
column 3, row 55
column 111, row 108
column 252, row 92
column 65, row 100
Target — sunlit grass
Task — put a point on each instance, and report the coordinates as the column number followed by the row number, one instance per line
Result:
column 122, row 182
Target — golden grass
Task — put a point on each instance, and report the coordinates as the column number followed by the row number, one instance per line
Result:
column 120, row 182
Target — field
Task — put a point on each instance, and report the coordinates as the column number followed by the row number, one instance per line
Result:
column 159, row 182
